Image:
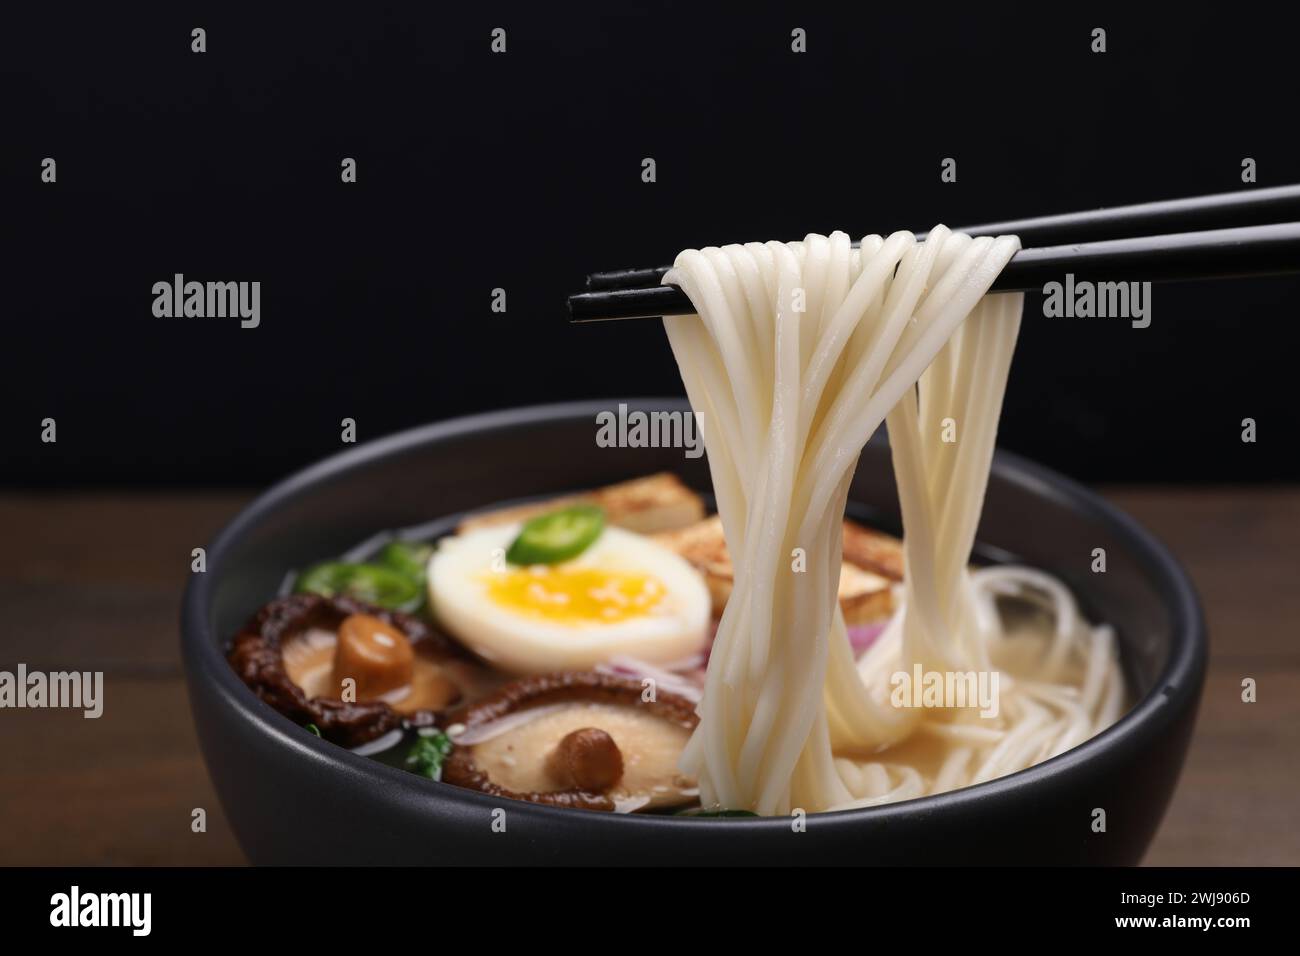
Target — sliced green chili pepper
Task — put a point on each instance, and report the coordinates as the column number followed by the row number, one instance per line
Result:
column 407, row 557
column 557, row 536
column 372, row 583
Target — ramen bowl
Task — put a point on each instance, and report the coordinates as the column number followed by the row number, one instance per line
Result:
column 292, row 798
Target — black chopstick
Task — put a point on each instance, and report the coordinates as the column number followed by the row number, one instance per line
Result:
column 1209, row 254
column 1247, row 207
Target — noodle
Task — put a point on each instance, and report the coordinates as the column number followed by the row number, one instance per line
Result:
column 797, row 355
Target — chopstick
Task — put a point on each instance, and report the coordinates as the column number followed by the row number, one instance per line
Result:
column 1126, row 255
column 1247, row 207
column 1211, row 254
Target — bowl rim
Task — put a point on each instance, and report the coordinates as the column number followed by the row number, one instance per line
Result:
column 1179, row 679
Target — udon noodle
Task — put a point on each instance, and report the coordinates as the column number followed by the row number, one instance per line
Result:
column 798, row 353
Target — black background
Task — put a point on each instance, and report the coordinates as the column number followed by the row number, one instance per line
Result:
column 522, row 171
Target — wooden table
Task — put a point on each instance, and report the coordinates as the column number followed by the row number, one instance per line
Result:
column 93, row 581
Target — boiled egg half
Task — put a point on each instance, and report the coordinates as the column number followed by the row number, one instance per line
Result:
column 623, row 595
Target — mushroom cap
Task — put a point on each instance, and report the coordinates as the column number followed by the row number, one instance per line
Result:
column 507, row 744
column 416, row 677
column 301, row 623
column 519, row 759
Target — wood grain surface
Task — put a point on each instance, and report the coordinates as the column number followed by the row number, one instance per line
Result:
column 93, row 582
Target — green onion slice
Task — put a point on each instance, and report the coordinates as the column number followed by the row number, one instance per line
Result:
column 372, row 583
column 410, row 558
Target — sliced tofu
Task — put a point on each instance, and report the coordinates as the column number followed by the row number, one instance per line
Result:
column 704, row 545
column 865, row 595
column 646, row 505
column 873, row 551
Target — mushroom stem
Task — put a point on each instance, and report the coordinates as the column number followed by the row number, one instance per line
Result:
column 588, row 759
column 376, row 655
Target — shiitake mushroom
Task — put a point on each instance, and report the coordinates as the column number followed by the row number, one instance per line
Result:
column 381, row 650
column 598, row 742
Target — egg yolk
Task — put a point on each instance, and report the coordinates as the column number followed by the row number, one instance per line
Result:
column 576, row 595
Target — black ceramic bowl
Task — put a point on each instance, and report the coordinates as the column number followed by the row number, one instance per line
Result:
column 292, row 798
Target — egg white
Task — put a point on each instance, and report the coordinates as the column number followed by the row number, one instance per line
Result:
column 521, row 644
